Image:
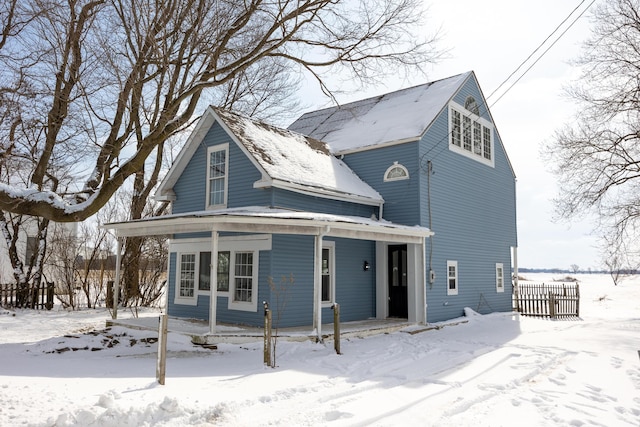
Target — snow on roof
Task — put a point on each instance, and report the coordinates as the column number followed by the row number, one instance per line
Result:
column 400, row 115
column 201, row 221
column 296, row 159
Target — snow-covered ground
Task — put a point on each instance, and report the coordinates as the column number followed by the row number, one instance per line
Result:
column 64, row 369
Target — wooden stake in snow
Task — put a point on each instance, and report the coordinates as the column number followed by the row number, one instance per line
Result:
column 161, row 366
column 267, row 335
column 336, row 327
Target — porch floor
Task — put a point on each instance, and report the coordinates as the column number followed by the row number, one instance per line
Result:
column 198, row 330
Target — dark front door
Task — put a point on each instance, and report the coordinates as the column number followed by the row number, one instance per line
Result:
column 397, row 267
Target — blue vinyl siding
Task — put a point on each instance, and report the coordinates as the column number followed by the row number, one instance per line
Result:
column 291, row 200
column 401, row 197
column 473, row 215
column 474, row 220
column 293, row 256
column 355, row 288
column 190, row 188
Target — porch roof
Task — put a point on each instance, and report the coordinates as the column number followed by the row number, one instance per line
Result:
column 258, row 219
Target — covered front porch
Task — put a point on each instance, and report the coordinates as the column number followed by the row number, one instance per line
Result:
column 270, row 221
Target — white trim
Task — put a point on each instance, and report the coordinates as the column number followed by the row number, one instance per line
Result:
column 455, row 277
column 212, row 149
column 392, row 167
column 382, row 290
column 255, row 262
column 499, row 277
column 260, row 220
column 204, row 123
column 331, row 246
column 266, row 182
column 477, row 119
column 184, row 300
column 378, row 145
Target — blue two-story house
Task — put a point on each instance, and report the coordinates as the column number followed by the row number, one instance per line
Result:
column 401, row 205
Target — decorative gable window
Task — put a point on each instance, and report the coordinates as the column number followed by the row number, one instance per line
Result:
column 470, row 134
column 396, row 172
column 217, row 172
column 470, row 104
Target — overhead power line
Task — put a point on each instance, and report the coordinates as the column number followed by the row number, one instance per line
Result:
column 531, row 55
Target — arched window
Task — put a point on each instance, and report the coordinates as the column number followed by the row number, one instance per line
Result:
column 471, row 105
column 396, row 172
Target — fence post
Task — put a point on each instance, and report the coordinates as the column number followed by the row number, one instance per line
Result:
column 50, row 289
column 552, row 305
column 336, row 327
column 577, row 300
column 267, row 334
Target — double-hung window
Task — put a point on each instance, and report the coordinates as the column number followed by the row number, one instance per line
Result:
column 187, row 276
column 328, row 272
column 204, row 280
column 452, row 277
column 499, row 277
column 217, row 176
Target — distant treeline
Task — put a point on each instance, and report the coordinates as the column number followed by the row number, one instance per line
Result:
column 560, row 270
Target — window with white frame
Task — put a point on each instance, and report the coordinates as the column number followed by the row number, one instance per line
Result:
column 396, row 172
column 204, row 279
column 452, row 277
column 217, row 173
column 187, row 274
column 243, row 277
column 237, row 269
column 499, row 277
column 328, row 272
column 470, row 134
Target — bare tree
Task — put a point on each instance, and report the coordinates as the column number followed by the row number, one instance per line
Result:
column 100, row 85
column 596, row 157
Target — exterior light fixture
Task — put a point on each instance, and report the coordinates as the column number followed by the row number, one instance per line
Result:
column 366, row 266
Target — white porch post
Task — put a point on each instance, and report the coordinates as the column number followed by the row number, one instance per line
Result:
column 515, row 265
column 425, row 279
column 116, row 284
column 213, row 282
column 317, row 282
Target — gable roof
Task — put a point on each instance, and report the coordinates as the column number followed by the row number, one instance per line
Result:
column 285, row 159
column 399, row 116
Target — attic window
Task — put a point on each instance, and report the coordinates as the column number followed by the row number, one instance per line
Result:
column 396, row 172
column 470, row 104
column 470, row 135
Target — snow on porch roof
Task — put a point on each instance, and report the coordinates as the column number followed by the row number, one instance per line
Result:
column 258, row 219
column 295, row 161
column 397, row 116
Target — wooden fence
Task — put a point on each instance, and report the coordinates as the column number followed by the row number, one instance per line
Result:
column 40, row 297
column 547, row 300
